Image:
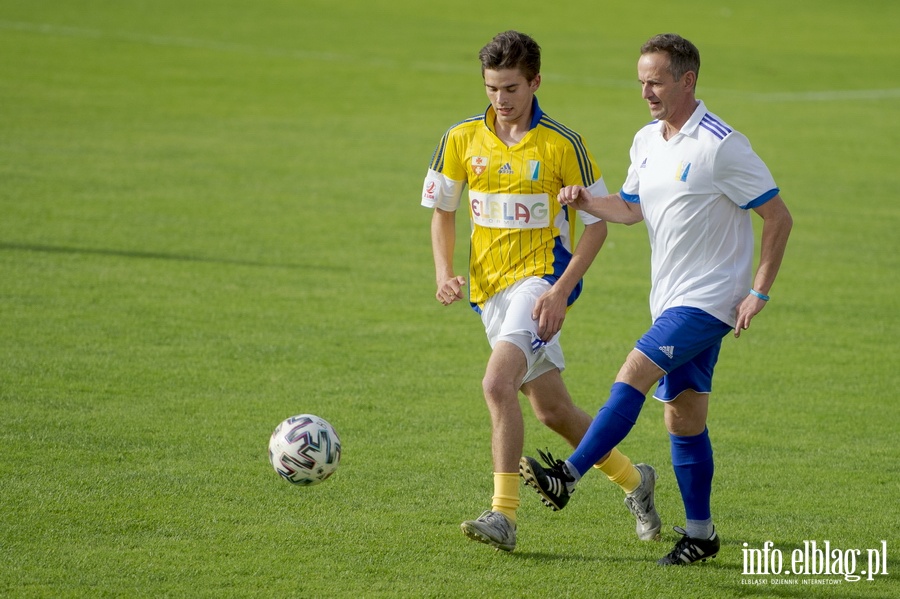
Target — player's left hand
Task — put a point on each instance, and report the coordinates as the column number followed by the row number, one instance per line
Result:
column 749, row 307
column 549, row 312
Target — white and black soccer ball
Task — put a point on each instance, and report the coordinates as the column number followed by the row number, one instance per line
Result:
column 305, row 449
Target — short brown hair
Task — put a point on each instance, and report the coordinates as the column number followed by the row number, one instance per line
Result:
column 683, row 55
column 512, row 50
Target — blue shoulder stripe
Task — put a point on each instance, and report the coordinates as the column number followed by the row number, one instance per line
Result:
column 584, row 164
column 437, row 159
column 717, row 128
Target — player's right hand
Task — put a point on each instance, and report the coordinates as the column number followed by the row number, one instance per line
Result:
column 450, row 290
column 573, row 195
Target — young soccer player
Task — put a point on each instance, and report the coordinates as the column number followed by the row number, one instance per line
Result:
column 525, row 269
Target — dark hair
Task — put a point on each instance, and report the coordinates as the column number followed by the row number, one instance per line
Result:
column 683, row 55
column 512, row 50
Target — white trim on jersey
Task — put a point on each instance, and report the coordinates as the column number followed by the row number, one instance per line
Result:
column 440, row 192
column 598, row 189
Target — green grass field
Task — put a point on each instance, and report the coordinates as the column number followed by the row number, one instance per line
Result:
column 210, row 221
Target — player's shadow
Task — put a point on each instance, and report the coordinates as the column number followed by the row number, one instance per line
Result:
column 569, row 558
column 55, row 249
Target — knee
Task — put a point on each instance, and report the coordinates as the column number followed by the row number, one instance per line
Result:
column 685, row 416
column 554, row 417
column 639, row 372
column 683, row 429
column 562, row 416
column 684, row 425
column 498, row 389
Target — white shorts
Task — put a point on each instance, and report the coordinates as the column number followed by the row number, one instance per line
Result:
column 507, row 317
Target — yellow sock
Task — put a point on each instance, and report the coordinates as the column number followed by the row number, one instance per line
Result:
column 506, row 494
column 619, row 469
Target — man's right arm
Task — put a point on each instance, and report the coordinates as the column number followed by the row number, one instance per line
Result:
column 611, row 208
column 443, row 241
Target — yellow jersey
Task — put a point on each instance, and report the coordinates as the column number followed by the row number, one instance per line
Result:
column 518, row 228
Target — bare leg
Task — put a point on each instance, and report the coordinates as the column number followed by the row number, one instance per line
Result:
column 505, row 370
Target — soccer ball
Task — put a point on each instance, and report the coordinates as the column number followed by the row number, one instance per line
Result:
column 305, row 450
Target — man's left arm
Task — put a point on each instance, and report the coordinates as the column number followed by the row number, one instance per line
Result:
column 550, row 308
column 777, row 224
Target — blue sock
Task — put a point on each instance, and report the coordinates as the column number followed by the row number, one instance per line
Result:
column 613, row 423
column 692, row 459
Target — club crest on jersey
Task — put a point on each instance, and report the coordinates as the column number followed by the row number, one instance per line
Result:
column 682, row 173
column 479, row 164
column 534, row 170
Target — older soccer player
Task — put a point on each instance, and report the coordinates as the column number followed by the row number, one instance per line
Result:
column 694, row 180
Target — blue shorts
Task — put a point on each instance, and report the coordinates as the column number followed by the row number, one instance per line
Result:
column 684, row 342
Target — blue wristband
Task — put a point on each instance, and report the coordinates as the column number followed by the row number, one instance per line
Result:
column 761, row 296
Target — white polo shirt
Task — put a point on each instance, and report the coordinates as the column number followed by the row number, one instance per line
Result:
column 695, row 191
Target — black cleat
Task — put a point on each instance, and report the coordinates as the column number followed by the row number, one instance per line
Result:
column 689, row 550
column 554, row 484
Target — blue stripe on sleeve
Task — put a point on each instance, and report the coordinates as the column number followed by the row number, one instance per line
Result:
column 761, row 199
column 633, row 199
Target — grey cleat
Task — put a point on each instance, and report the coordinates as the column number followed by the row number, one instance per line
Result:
column 641, row 504
column 492, row 528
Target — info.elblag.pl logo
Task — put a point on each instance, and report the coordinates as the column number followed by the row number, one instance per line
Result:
column 827, row 564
